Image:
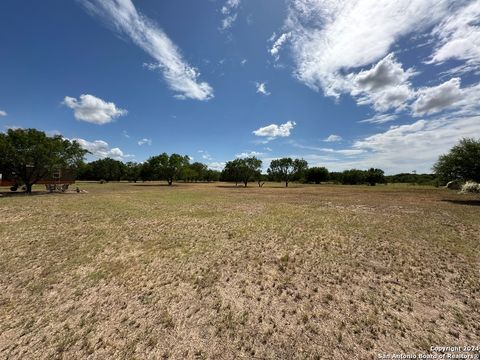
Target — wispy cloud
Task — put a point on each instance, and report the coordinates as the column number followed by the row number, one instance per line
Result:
column 333, row 138
column 144, row 141
column 205, row 155
column 92, row 109
column 380, row 118
column 3, row 113
column 180, row 76
column 262, row 88
column 229, row 11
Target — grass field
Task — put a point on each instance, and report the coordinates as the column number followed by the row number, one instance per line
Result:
column 210, row 271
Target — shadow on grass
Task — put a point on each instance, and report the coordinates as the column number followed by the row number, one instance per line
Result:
column 34, row 193
column 155, row 185
column 469, row 202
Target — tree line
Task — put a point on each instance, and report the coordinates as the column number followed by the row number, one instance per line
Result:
column 29, row 155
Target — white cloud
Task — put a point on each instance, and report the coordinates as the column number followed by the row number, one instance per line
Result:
column 416, row 146
column 92, row 109
column 273, row 130
column 331, row 38
column 125, row 134
column 101, row 149
column 437, row 98
column 277, row 45
column 216, row 165
column 262, row 88
column 333, row 138
column 144, row 141
column 249, row 154
column 3, row 113
column 380, row 118
column 125, row 18
column 230, row 15
column 386, row 85
column 243, row 62
column 459, row 36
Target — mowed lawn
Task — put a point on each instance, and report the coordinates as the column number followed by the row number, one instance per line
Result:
column 210, row 271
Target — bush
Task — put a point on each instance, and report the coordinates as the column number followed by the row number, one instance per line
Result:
column 470, row 187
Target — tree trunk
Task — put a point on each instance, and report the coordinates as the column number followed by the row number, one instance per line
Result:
column 29, row 188
column 245, row 182
column 286, row 183
column 170, row 181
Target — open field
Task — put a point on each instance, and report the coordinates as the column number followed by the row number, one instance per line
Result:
column 209, row 271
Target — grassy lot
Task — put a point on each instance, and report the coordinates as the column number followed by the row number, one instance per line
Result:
column 197, row 271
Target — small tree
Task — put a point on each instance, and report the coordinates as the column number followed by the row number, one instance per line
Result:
column 375, row 176
column 286, row 169
column 32, row 155
column 461, row 163
column 231, row 171
column 316, row 175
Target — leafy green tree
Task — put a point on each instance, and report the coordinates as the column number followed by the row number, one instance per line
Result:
column 31, row 155
column 231, row 171
column 353, row 177
column 316, row 175
column 249, row 169
column 242, row 169
column 165, row 167
column 107, row 169
column 375, row 176
column 461, row 163
column 286, row 169
column 132, row 171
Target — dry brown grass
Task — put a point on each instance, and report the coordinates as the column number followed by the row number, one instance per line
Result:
column 213, row 272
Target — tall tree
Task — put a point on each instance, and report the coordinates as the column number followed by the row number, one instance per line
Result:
column 461, row 163
column 286, row 169
column 32, row 155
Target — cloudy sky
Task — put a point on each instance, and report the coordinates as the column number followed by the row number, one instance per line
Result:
column 341, row 83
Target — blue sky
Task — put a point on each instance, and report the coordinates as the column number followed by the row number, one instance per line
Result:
column 342, row 84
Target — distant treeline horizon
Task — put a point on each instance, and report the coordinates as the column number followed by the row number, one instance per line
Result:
column 179, row 168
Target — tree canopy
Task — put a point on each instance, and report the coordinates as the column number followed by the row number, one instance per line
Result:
column 31, row 155
column 461, row 163
column 286, row 169
column 242, row 169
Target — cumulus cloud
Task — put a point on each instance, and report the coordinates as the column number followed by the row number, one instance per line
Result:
column 144, row 141
column 331, row 38
column 216, row 165
column 386, row 85
column 125, row 19
column 459, row 36
column 437, row 98
column 101, row 149
column 3, row 113
column 228, row 10
column 262, row 88
column 333, row 138
column 249, row 154
column 92, row 109
column 273, row 130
